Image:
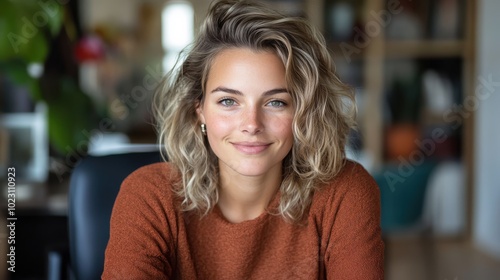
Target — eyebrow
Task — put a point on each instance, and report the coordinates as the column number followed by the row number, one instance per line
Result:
column 237, row 92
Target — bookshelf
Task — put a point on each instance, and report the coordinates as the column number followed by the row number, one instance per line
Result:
column 367, row 72
column 423, row 41
column 424, row 49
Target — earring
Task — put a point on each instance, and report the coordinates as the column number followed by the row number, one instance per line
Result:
column 204, row 129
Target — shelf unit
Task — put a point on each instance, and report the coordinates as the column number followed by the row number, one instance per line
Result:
column 380, row 50
column 424, row 49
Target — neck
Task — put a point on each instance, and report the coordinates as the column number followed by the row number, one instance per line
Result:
column 243, row 198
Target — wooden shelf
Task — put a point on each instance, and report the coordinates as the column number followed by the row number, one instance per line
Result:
column 371, row 57
column 406, row 49
column 338, row 53
column 423, row 49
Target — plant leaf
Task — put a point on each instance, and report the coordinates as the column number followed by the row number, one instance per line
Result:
column 16, row 71
column 70, row 118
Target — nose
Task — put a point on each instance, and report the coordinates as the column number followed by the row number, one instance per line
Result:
column 252, row 121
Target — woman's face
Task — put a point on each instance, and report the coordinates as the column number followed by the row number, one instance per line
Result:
column 248, row 112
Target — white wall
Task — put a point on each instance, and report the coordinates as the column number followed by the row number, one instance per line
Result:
column 486, row 215
column 123, row 13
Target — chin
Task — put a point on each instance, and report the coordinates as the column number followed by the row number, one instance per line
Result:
column 252, row 169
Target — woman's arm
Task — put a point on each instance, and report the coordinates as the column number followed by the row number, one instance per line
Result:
column 355, row 248
column 140, row 244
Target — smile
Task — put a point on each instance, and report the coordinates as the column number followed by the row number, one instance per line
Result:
column 251, row 148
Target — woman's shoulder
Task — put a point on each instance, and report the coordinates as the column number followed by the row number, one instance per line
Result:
column 351, row 181
column 154, row 180
column 156, row 172
column 352, row 172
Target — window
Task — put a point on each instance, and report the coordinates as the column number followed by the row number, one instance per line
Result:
column 177, row 30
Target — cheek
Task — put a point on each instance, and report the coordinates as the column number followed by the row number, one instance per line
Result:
column 218, row 126
column 218, row 129
column 283, row 128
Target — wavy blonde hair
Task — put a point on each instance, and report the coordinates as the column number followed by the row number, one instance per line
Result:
column 324, row 106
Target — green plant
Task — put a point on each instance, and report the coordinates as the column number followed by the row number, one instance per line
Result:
column 405, row 101
column 27, row 30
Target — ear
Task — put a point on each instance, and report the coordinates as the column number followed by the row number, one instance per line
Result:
column 199, row 111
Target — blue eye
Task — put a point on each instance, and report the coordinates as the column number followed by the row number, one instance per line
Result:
column 227, row 102
column 277, row 103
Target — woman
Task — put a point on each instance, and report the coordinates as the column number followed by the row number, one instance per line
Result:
column 258, row 187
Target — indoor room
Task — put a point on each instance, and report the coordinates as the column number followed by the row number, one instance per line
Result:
column 78, row 80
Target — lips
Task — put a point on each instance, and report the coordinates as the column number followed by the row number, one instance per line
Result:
column 251, row 148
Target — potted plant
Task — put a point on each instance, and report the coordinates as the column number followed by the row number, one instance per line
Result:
column 404, row 101
column 29, row 31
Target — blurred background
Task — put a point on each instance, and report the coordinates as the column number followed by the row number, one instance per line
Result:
column 77, row 77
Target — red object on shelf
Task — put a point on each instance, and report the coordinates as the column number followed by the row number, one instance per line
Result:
column 90, row 48
column 401, row 140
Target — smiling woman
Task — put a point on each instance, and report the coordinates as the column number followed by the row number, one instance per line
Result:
column 254, row 122
column 249, row 125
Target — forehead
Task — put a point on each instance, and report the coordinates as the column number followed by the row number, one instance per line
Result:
column 243, row 63
column 245, row 53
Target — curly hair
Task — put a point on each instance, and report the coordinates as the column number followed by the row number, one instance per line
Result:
column 324, row 106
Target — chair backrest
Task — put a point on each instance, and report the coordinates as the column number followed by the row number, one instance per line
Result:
column 94, row 184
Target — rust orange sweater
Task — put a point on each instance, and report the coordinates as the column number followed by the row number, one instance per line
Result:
column 151, row 239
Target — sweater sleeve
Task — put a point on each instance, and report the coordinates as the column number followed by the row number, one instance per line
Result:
column 355, row 249
column 140, row 244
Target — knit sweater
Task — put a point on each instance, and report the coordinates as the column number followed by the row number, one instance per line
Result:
column 339, row 238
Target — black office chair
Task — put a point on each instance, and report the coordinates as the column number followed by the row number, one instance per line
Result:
column 94, row 184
